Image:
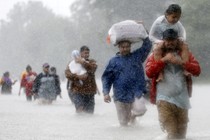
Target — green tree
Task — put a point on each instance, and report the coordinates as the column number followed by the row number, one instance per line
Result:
column 95, row 17
column 196, row 21
column 33, row 34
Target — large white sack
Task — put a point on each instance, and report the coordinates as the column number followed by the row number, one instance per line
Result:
column 127, row 30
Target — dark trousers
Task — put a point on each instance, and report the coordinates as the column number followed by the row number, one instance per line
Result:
column 71, row 96
column 84, row 103
column 29, row 97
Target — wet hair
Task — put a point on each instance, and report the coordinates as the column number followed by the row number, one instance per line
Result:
column 53, row 69
column 45, row 65
column 6, row 73
column 170, row 34
column 173, row 8
column 124, row 41
column 84, row 48
column 28, row 67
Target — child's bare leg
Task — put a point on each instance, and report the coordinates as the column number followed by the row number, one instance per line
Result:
column 157, row 50
column 185, row 55
column 160, row 77
column 157, row 56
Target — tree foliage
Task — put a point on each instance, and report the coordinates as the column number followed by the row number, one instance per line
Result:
column 95, row 17
column 101, row 15
column 196, row 21
column 33, row 34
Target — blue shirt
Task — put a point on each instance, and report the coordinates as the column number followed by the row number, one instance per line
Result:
column 126, row 74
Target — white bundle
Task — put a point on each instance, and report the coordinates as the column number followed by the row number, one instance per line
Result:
column 75, row 54
column 76, row 68
column 128, row 30
column 139, row 107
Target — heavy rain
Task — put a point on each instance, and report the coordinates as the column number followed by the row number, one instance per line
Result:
column 37, row 32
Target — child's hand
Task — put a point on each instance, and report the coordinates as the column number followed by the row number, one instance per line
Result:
column 168, row 58
column 174, row 59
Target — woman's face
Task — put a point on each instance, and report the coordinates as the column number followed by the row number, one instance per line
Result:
column 173, row 18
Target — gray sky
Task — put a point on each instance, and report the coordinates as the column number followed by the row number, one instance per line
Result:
column 60, row 7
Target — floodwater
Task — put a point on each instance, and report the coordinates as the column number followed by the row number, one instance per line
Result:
column 22, row 120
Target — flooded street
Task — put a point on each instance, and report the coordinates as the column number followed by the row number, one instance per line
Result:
column 21, row 120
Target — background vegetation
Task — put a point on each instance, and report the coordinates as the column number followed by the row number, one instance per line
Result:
column 33, row 34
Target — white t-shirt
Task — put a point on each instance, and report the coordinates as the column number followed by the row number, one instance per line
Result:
column 160, row 25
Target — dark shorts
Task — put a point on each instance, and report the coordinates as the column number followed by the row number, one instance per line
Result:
column 84, row 103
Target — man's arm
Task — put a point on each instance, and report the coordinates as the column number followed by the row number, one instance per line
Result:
column 107, row 83
column 153, row 67
column 192, row 66
column 108, row 78
column 36, row 84
column 142, row 53
column 90, row 65
column 74, row 77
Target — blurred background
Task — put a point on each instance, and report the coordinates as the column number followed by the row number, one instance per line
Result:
column 35, row 32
